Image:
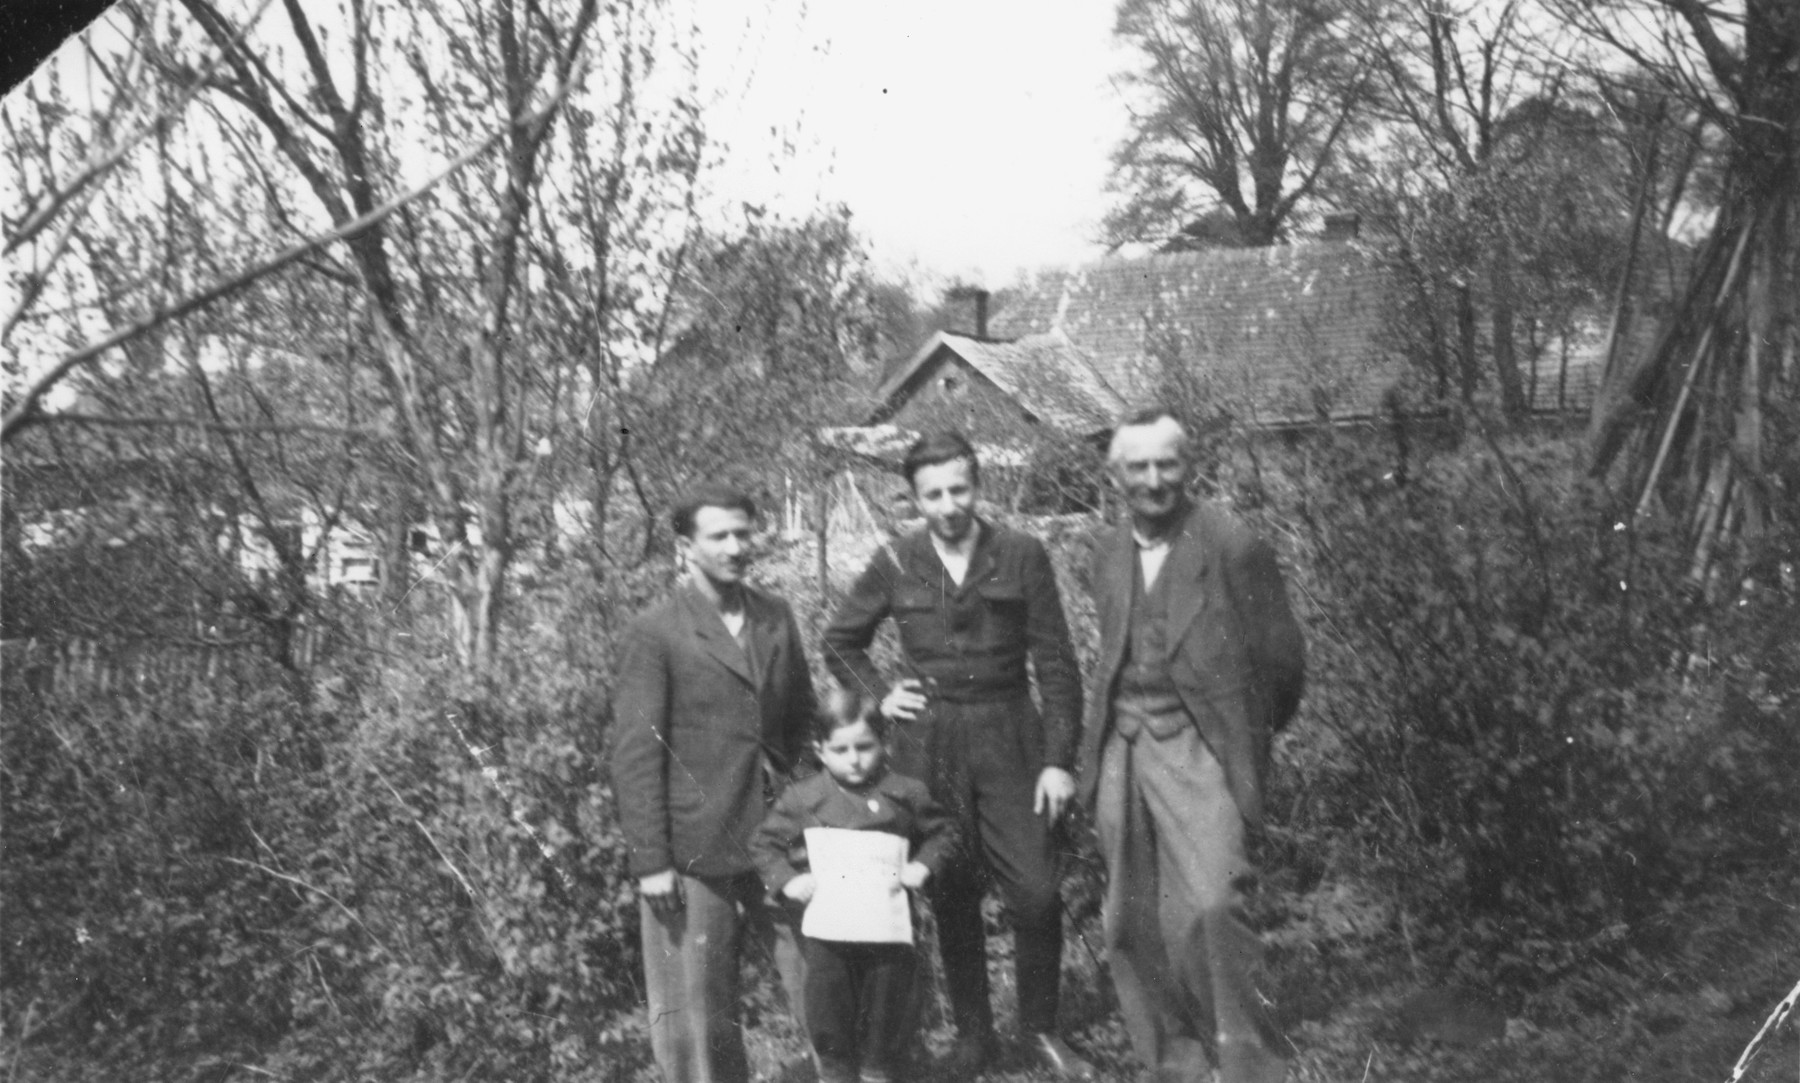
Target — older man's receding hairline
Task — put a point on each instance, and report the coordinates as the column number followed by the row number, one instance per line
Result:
column 1150, row 419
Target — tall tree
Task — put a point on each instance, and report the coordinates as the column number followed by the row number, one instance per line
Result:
column 778, row 328
column 465, row 297
column 1488, row 175
column 1242, row 104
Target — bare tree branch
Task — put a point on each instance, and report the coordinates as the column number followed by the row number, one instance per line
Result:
column 200, row 424
column 104, row 162
column 23, row 411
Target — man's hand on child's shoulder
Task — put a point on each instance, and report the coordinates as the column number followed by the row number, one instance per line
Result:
column 914, row 874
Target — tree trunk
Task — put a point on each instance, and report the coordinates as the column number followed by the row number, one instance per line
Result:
column 1506, row 351
column 822, row 526
column 398, row 519
column 1468, row 370
column 1258, row 230
column 1761, row 330
column 601, row 468
column 492, row 557
column 1506, row 364
column 477, row 599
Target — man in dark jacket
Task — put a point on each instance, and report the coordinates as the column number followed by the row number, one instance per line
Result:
column 712, row 709
column 973, row 603
column 1200, row 664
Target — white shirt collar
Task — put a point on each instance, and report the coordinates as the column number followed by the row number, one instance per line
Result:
column 1151, row 545
column 956, row 557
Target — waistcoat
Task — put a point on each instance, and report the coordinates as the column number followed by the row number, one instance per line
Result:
column 1145, row 673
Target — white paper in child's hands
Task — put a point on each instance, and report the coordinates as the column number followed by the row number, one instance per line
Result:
column 857, row 895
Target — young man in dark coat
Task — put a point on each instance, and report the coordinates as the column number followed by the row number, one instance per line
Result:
column 1200, row 664
column 973, row 603
column 712, row 709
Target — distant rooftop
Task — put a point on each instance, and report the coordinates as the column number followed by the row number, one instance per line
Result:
column 1281, row 333
column 1044, row 373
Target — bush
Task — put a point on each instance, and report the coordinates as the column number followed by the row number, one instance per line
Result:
column 1508, row 723
column 125, row 815
column 1525, row 743
column 388, row 872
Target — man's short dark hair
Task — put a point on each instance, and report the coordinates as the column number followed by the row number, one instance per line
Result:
column 842, row 707
column 940, row 447
column 708, row 495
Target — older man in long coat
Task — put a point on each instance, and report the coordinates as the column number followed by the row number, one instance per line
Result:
column 1200, row 664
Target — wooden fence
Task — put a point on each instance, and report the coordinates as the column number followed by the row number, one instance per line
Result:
column 72, row 667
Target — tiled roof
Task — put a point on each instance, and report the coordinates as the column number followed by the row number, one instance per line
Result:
column 884, row 444
column 1278, row 333
column 1044, row 373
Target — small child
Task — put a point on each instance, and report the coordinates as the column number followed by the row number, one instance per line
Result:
column 860, row 1001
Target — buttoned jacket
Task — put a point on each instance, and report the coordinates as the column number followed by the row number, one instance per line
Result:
column 699, row 740
column 897, row 804
column 1235, row 650
column 972, row 638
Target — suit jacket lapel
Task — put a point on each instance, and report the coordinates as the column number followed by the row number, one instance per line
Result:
column 709, row 629
column 766, row 628
column 1117, row 569
column 1184, row 575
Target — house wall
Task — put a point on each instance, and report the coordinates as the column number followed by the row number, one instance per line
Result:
column 948, row 394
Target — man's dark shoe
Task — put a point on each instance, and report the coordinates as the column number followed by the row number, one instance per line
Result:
column 969, row 1055
column 1051, row 1053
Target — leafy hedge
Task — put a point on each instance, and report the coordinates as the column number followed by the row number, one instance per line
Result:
column 1523, row 725
column 385, row 873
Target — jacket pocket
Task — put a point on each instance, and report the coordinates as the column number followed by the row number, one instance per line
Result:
column 1004, row 602
column 1001, row 591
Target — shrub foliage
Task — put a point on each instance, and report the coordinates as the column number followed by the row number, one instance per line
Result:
column 1527, row 739
column 387, row 872
column 1523, row 722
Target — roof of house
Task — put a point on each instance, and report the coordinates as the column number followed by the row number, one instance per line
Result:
column 1044, row 373
column 882, row 444
column 1282, row 332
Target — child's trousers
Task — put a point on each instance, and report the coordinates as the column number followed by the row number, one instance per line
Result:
column 861, row 1007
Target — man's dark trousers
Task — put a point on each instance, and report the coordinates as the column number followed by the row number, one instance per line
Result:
column 701, row 721
column 980, row 760
column 981, row 745
column 1196, row 673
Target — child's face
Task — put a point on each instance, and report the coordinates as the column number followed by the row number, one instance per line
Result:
column 852, row 753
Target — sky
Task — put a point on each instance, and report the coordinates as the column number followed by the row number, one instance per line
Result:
column 969, row 138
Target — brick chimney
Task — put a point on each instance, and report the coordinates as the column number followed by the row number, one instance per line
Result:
column 980, row 297
column 1343, row 226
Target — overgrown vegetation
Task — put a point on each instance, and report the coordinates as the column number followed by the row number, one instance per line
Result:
column 385, row 871
column 1523, row 725
column 263, row 820
column 1525, row 752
